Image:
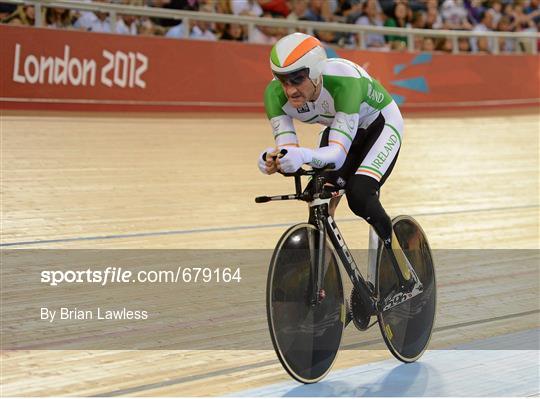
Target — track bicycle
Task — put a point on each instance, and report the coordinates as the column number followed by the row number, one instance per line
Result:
column 305, row 299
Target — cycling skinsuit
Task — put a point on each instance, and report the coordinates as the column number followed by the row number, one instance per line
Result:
column 364, row 129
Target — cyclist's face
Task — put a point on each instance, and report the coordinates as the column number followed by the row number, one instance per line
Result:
column 297, row 86
column 299, row 94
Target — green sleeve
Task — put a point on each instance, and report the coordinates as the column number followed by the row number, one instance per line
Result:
column 274, row 99
column 348, row 92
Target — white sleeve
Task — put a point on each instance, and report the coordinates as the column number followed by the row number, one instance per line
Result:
column 342, row 133
column 283, row 130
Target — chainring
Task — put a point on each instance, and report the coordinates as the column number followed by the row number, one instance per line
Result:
column 359, row 313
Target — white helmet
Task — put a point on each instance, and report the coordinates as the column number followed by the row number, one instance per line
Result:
column 295, row 52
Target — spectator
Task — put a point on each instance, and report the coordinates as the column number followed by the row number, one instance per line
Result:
column 233, row 32
column 419, row 20
column 58, row 18
column 433, row 18
column 246, row 7
column 508, row 9
column 189, row 5
column 202, row 30
column 485, row 25
column 198, row 30
column 94, row 22
column 444, row 44
column 496, row 11
column 6, row 10
column 177, row 31
column 317, row 11
column 506, row 45
column 101, row 24
column 417, row 5
column 475, row 10
column 298, row 10
column 127, row 25
column 454, row 15
column 213, row 6
column 279, row 7
column 533, row 11
column 406, row 4
column 148, row 28
column 399, row 19
column 464, row 45
column 223, row 6
column 23, row 15
column 483, row 46
column 418, row 43
column 278, row 32
column 327, row 37
column 523, row 21
column 331, row 8
column 428, row 44
column 263, row 34
column 348, row 8
column 372, row 17
column 346, row 11
column 84, row 20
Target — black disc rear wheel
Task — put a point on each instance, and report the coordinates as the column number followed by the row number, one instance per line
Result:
column 407, row 327
column 306, row 336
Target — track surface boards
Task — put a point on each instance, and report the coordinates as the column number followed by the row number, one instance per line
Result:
column 121, row 181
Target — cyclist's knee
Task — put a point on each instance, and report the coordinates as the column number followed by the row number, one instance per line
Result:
column 362, row 195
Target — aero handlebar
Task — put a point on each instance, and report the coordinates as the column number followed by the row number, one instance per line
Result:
column 302, row 196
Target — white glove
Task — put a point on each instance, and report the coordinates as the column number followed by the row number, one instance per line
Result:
column 293, row 159
column 262, row 162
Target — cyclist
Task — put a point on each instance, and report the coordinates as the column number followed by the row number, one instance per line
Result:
column 363, row 134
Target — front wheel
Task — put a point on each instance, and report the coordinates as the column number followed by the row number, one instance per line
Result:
column 306, row 336
column 407, row 327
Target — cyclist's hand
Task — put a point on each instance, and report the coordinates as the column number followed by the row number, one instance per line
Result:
column 269, row 166
column 291, row 161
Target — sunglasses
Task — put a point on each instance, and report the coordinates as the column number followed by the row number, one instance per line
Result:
column 295, row 78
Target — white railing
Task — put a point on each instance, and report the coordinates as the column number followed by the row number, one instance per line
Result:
column 185, row 16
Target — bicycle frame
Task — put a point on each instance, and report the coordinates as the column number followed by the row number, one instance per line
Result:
column 325, row 223
column 327, row 226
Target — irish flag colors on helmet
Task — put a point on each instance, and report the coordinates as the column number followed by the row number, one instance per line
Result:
column 297, row 51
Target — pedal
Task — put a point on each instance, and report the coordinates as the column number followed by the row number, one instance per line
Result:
column 413, row 283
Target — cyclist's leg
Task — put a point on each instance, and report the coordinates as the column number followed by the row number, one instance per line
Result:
column 378, row 155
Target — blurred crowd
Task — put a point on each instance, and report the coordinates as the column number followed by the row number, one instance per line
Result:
column 465, row 15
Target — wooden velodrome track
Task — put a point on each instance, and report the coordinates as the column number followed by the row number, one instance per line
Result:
column 471, row 179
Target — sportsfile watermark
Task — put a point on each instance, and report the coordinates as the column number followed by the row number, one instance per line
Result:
column 113, row 274
column 138, row 299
